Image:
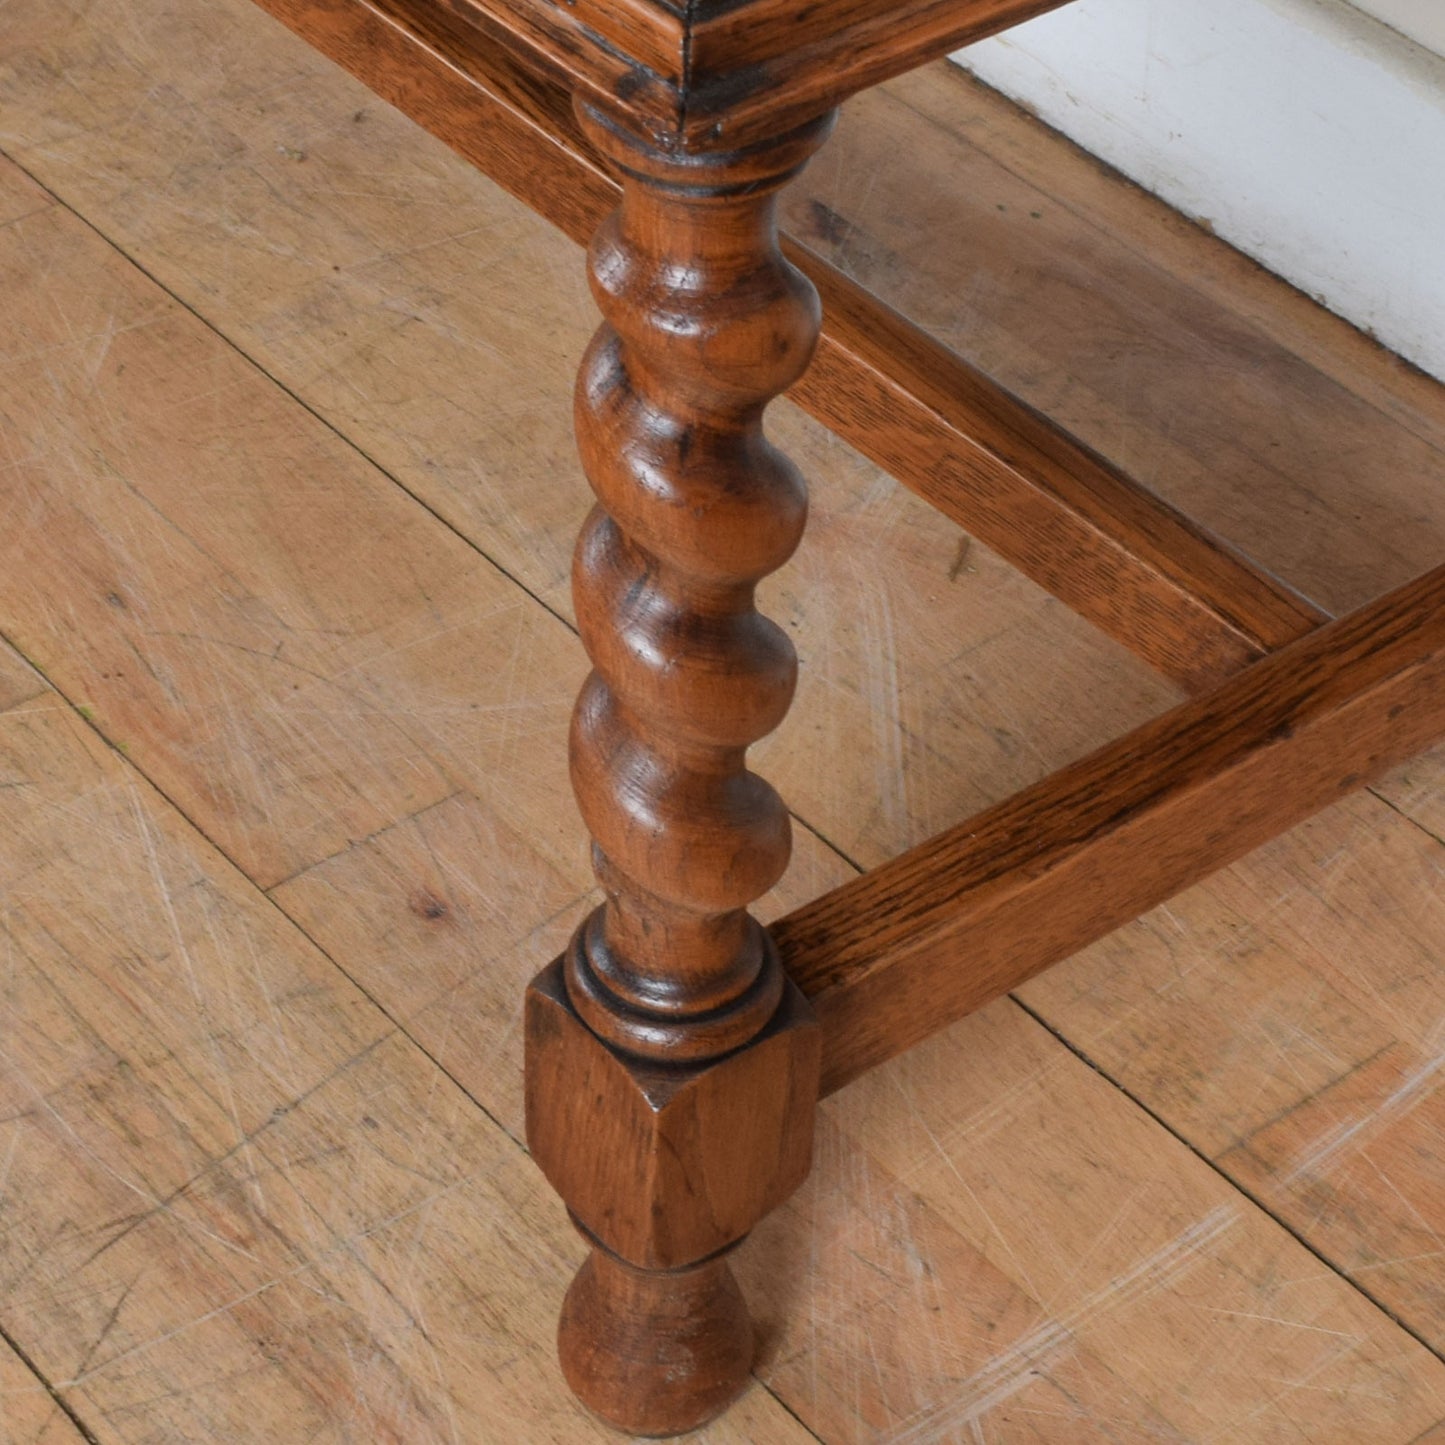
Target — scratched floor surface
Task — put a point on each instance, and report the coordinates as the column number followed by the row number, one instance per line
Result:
column 288, row 496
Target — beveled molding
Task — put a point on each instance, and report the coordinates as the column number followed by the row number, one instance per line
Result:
column 1072, row 522
column 728, row 72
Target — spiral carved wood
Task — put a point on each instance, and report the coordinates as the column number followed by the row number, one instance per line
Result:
column 705, row 323
column 672, row 1072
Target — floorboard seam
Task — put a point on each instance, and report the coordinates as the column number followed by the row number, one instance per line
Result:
column 1234, row 1184
column 357, row 450
column 261, row 893
column 281, row 386
column 1410, row 818
column 61, row 1403
column 1078, row 1051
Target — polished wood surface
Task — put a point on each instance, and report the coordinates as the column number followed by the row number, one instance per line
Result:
column 1154, row 1292
column 979, row 910
column 725, row 74
column 1175, row 595
column 1193, row 607
column 666, row 1169
column 1178, row 370
column 704, row 323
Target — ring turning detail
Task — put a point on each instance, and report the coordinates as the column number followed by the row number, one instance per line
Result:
column 671, row 996
column 677, row 1050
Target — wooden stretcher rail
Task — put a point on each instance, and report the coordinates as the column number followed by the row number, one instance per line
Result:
column 944, row 929
column 672, row 1068
column 1058, row 512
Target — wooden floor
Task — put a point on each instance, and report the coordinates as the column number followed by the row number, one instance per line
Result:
column 288, row 495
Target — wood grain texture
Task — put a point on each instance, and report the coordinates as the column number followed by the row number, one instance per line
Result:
column 753, row 73
column 1059, row 512
column 1287, row 1014
column 916, row 1289
column 894, row 1308
column 968, row 119
column 452, row 946
column 1055, row 510
column 516, row 123
column 733, row 74
column 18, row 681
column 1091, row 306
column 1276, row 454
column 665, row 1169
column 704, row 323
column 402, row 351
column 98, row 492
column 980, row 909
column 1128, row 1257
column 672, row 1074
column 238, row 1222
column 19, row 198
column 29, row 1414
column 336, row 1232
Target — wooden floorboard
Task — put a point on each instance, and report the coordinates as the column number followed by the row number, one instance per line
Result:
column 1209, row 271
column 1073, row 300
column 29, row 1413
column 242, row 1205
column 251, row 1193
column 1287, row 1018
column 438, row 327
column 978, row 910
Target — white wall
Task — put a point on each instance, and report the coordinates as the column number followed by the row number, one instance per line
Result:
column 1310, row 135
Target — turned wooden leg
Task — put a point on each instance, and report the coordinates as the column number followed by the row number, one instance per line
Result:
column 672, row 1071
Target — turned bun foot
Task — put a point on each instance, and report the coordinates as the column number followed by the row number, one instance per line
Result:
column 655, row 1353
column 672, row 1069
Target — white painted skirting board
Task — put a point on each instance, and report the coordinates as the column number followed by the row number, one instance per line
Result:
column 1422, row 20
column 1310, row 136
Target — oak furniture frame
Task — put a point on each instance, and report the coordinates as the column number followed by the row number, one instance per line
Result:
column 677, row 1050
